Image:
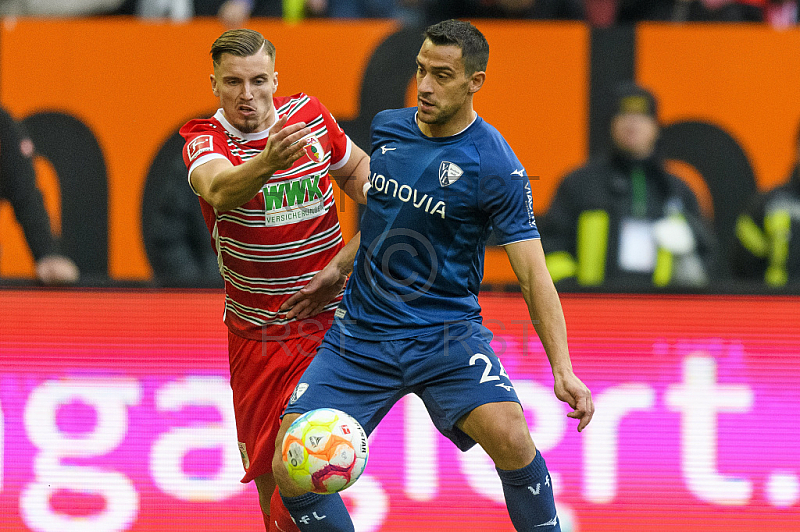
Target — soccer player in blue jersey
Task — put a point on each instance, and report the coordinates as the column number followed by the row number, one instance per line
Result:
column 441, row 180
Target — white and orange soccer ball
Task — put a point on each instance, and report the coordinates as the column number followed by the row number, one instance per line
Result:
column 325, row 450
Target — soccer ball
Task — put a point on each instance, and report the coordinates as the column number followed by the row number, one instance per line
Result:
column 325, row 450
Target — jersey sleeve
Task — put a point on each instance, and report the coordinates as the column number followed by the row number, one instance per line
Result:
column 507, row 197
column 376, row 130
column 202, row 145
column 341, row 145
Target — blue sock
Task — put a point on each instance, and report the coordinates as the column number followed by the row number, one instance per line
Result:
column 529, row 497
column 313, row 512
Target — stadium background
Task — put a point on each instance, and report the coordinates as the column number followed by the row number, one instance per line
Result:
column 114, row 405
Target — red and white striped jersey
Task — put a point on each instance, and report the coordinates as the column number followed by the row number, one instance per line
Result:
column 272, row 246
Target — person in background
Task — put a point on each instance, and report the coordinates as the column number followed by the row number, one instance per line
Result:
column 767, row 244
column 59, row 8
column 232, row 14
column 504, row 9
column 623, row 220
column 781, row 14
column 18, row 187
column 173, row 229
column 605, row 13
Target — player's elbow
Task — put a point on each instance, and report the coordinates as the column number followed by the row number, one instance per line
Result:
column 222, row 202
column 220, row 197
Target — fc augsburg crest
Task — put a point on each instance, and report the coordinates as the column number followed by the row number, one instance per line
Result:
column 313, row 148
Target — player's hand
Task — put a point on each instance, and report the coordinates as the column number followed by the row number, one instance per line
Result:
column 312, row 298
column 572, row 391
column 282, row 148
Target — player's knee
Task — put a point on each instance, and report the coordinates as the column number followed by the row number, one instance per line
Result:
column 280, row 474
column 511, row 447
column 279, row 471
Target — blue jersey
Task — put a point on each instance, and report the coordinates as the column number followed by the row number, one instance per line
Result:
column 431, row 207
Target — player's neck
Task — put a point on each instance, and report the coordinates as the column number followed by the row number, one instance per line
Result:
column 457, row 123
column 270, row 119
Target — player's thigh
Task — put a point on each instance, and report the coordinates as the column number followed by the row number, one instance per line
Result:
column 457, row 376
column 501, row 429
column 351, row 375
column 278, row 470
column 263, row 376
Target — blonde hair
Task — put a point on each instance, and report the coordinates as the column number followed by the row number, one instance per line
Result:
column 241, row 43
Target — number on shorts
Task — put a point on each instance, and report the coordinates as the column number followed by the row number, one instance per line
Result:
column 486, row 377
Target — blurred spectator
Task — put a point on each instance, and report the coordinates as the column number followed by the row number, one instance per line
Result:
column 624, row 222
column 235, row 13
column 231, row 13
column 767, row 244
column 405, row 10
column 176, row 10
column 518, row 9
column 604, row 13
column 781, row 14
column 715, row 11
column 18, row 186
column 59, row 8
column 175, row 234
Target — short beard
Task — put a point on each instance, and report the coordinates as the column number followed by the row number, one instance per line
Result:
column 248, row 126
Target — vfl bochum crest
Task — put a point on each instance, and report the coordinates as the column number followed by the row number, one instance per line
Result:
column 449, row 173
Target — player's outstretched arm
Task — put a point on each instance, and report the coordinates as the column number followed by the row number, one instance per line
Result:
column 324, row 286
column 544, row 307
column 352, row 177
column 225, row 186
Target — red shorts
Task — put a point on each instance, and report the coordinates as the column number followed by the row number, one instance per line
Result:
column 263, row 377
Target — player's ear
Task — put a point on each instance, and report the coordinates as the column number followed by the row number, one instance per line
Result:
column 214, row 85
column 274, row 81
column 476, row 81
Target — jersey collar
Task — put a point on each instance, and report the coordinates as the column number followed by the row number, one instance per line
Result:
column 416, row 123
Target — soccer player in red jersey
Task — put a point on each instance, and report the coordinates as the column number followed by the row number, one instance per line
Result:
column 261, row 167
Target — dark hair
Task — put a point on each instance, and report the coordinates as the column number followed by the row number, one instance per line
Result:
column 241, row 43
column 474, row 47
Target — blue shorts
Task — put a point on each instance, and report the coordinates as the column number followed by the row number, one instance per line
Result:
column 453, row 372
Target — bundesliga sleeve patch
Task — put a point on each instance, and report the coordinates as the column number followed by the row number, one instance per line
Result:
column 199, row 145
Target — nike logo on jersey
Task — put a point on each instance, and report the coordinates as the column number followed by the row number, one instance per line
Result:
column 520, row 172
column 384, row 149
